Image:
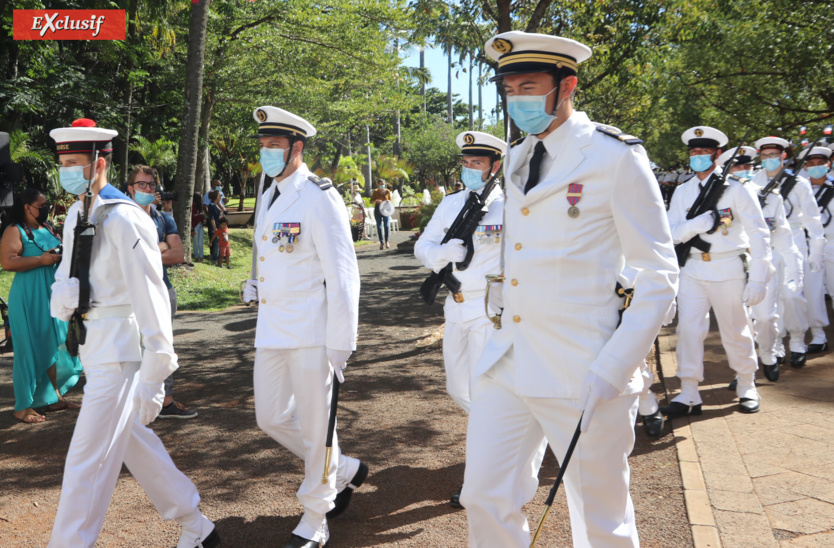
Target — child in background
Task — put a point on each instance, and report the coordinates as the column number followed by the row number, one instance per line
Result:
column 222, row 234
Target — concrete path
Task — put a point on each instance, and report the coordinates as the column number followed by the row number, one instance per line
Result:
column 764, row 480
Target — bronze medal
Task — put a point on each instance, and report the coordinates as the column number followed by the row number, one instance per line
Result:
column 281, row 249
column 573, row 212
column 290, row 247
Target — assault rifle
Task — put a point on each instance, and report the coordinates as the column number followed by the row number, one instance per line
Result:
column 82, row 251
column 707, row 201
column 462, row 229
column 785, row 179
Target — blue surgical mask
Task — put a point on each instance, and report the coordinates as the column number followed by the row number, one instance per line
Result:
column 72, row 179
column 745, row 174
column 272, row 161
column 772, row 164
column 528, row 112
column 817, row 172
column 701, row 162
column 143, row 198
column 472, row 178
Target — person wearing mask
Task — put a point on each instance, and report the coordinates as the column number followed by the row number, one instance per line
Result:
column 803, row 215
column 142, row 187
column 307, row 286
column 197, row 232
column 218, row 186
column 580, row 203
column 381, row 194
column 214, row 215
column 127, row 354
column 42, row 371
column 725, row 278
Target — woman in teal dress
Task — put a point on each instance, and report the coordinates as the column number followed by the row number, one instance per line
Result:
column 43, row 370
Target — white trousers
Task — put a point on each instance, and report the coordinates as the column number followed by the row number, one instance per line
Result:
column 292, row 404
column 795, row 305
column 815, row 296
column 463, row 343
column 504, row 435
column 107, row 434
column 695, row 297
column 765, row 316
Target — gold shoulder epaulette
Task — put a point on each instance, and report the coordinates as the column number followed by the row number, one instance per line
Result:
column 619, row 135
column 516, row 142
column 322, row 182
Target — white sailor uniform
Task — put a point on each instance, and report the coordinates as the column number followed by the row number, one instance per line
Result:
column 129, row 336
column 816, row 282
column 559, row 323
column 308, row 293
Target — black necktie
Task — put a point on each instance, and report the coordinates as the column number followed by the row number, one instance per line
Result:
column 535, row 167
column 274, row 196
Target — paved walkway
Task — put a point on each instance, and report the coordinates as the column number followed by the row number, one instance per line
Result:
column 763, row 480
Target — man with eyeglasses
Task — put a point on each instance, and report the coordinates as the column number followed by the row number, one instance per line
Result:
column 142, row 187
column 803, row 215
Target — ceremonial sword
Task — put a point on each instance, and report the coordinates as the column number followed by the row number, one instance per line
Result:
column 331, row 427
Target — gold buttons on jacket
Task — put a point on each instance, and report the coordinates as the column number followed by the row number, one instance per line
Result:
column 525, row 211
column 517, row 246
column 262, row 278
column 514, row 282
column 517, row 319
column 264, row 302
column 264, row 238
column 262, row 259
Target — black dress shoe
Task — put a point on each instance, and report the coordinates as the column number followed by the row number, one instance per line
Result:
column 301, row 542
column 771, row 372
column 817, row 348
column 678, row 409
column 780, row 359
column 797, row 359
column 211, row 541
column 732, row 385
column 343, row 498
column 653, row 424
column 454, row 502
column 748, row 405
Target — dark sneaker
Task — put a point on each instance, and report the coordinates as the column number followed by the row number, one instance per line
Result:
column 176, row 410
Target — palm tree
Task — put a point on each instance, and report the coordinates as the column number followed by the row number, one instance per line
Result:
column 160, row 154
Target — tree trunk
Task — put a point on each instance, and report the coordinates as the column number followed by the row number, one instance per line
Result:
column 449, row 84
column 471, row 120
column 369, row 184
column 133, row 9
column 480, row 100
column 334, row 165
column 422, row 82
column 202, row 179
column 187, row 156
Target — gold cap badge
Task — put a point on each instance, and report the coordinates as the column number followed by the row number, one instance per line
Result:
column 699, row 133
column 502, row 46
column 261, row 114
column 469, row 139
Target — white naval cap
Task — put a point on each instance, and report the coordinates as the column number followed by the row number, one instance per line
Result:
column 478, row 143
column 84, row 137
column 520, row 52
column 816, row 152
column 277, row 121
column 745, row 156
column 772, row 142
column 704, row 136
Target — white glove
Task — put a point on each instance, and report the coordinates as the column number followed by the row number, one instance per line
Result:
column 338, row 359
column 816, row 258
column 148, row 398
column 701, row 223
column 595, row 392
column 453, row 251
column 64, row 299
column 815, row 261
column 754, row 293
column 250, row 291
column 496, row 297
column 793, row 280
column 670, row 314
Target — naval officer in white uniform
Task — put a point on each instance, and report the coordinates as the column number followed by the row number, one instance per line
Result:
column 128, row 354
column 581, row 202
column 307, row 287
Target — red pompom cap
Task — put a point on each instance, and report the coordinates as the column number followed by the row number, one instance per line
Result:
column 83, row 122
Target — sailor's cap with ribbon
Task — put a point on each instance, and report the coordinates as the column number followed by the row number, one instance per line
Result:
column 745, row 156
column 816, row 152
column 478, row 143
column 277, row 121
column 84, row 137
column 772, row 142
column 520, row 52
column 704, row 137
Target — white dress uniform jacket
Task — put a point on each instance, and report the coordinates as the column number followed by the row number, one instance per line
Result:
column 308, row 297
column 560, row 312
column 801, row 210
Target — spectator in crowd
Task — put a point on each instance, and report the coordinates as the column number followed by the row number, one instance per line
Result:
column 43, row 371
column 197, row 233
column 218, row 186
column 225, row 248
column 215, row 213
column 381, row 194
column 141, row 185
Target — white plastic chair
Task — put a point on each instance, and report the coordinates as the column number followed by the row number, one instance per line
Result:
column 370, row 223
column 394, row 224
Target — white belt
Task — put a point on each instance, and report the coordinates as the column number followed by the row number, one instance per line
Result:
column 706, row 257
column 109, row 312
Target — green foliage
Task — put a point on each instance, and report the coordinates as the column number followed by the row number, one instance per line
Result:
column 425, row 211
column 430, row 146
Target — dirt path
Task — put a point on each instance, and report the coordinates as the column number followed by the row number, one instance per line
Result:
column 394, row 414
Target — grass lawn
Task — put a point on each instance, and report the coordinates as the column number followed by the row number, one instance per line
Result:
column 235, row 200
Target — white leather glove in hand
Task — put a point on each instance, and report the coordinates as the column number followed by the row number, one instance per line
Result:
column 250, row 291
column 670, row 315
column 815, row 262
column 754, row 293
column 496, row 297
column 148, row 398
column 793, row 281
column 338, row 359
column 595, row 392
column 453, row 251
column 702, row 223
column 64, row 299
